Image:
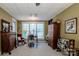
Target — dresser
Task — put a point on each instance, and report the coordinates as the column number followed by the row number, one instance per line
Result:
column 8, row 42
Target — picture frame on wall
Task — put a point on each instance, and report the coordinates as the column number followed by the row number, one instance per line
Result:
column 5, row 26
column 71, row 26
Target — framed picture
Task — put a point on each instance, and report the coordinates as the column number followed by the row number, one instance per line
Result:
column 5, row 26
column 71, row 26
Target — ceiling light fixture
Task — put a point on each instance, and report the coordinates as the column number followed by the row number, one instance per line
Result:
column 33, row 17
column 37, row 4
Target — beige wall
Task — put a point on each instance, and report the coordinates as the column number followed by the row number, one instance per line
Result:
column 4, row 15
column 0, row 42
column 69, row 13
column 19, row 26
column 45, row 28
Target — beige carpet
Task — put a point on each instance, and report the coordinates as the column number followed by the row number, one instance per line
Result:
column 41, row 50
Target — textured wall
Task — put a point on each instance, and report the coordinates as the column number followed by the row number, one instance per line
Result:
column 0, row 42
column 69, row 13
column 4, row 15
column 19, row 26
column 45, row 29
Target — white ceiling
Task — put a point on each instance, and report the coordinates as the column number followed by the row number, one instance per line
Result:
column 44, row 11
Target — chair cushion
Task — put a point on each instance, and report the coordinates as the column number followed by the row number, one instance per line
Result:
column 19, row 38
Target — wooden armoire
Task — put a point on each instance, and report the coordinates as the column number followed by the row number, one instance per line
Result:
column 53, row 34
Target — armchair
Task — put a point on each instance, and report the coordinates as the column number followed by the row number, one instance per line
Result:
column 20, row 39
